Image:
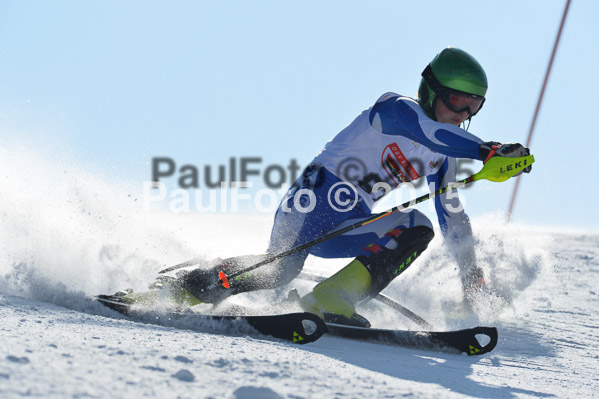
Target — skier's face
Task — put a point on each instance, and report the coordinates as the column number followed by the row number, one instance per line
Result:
column 445, row 115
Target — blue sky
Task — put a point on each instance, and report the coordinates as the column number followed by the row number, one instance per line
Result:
column 114, row 84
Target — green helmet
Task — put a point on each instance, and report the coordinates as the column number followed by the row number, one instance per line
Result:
column 451, row 71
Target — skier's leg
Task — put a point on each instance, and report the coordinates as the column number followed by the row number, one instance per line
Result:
column 296, row 222
column 369, row 273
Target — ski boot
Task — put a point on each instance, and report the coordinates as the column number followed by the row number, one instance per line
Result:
column 335, row 298
column 198, row 280
column 164, row 289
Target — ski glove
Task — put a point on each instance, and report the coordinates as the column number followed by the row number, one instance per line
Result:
column 492, row 149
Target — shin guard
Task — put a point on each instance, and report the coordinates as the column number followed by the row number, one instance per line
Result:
column 390, row 260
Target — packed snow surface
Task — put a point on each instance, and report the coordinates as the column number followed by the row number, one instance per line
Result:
column 68, row 238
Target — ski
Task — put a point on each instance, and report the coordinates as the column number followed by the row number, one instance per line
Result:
column 303, row 328
column 458, row 341
column 300, row 328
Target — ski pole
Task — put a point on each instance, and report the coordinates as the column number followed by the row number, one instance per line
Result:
column 493, row 170
column 497, row 169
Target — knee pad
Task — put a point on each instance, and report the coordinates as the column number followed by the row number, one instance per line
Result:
column 393, row 254
column 419, row 219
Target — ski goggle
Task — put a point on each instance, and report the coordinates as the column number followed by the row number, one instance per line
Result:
column 459, row 102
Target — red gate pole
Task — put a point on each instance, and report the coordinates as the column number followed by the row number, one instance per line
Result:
column 534, row 118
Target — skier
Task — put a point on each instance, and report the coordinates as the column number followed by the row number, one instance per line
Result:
column 397, row 140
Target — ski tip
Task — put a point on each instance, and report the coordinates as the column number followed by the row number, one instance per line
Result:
column 475, row 348
column 312, row 327
column 298, row 328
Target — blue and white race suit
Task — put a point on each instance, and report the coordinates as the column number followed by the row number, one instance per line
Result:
column 390, row 143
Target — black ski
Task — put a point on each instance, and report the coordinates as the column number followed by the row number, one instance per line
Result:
column 300, row 328
column 458, row 341
column 306, row 327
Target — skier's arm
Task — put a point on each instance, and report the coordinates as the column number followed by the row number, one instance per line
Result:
column 403, row 116
column 454, row 223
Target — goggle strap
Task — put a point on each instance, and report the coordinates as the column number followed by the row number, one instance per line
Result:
column 431, row 79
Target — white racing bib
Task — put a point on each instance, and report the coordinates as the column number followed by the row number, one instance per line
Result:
column 365, row 157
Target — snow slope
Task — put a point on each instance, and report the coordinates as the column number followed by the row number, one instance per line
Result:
column 76, row 235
